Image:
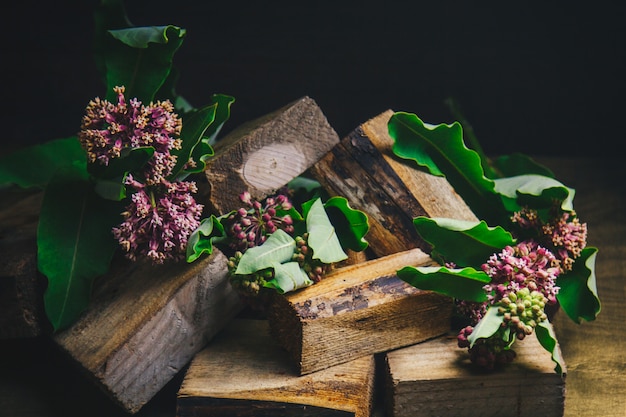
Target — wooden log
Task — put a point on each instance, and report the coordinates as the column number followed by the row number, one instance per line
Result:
column 363, row 169
column 436, row 378
column 357, row 310
column 263, row 155
column 243, row 372
column 145, row 323
column 21, row 285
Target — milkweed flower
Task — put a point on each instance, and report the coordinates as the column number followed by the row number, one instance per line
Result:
column 158, row 221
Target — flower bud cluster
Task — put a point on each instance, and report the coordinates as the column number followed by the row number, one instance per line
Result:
column 251, row 225
column 248, row 284
column 162, row 214
column 563, row 233
column 314, row 268
column 522, row 311
column 486, row 353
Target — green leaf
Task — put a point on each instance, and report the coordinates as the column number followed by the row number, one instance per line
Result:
column 463, row 242
column 578, row 294
column 547, row 339
column 195, row 124
column 322, row 237
column 113, row 189
column 74, row 241
column 464, row 284
column 351, row 225
column 535, row 191
column 140, row 59
column 278, row 248
column 487, row 326
column 222, row 115
column 34, row 166
column 130, row 160
column 202, row 239
column 441, row 150
column 519, row 164
column 288, row 277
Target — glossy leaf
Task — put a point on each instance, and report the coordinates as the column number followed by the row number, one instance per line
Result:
column 75, row 244
column 130, row 159
column 488, row 325
column 578, row 294
column 204, row 237
column 322, row 237
column 288, row 277
column 547, row 339
column 35, row 165
column 464, row 284
column 278, row 248
column 441, row 150
column 194, row 126
column 535, row 191
column 350, row 225
column 222, row 114
column 463, row 242
column 140, row 59
column 519, row 164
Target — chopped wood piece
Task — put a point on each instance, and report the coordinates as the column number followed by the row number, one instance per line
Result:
column 356, row 311
column 263, row 155
column 21, row 284
column 243, row 372
column 436, row 377
column 392, row 192
column 145, row 323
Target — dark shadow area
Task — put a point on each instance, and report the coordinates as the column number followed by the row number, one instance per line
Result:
column 541, row 80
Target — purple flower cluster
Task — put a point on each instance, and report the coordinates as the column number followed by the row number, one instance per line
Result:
column 563, row 233
column 162, row 213
column 522, row 283
column 250, row 226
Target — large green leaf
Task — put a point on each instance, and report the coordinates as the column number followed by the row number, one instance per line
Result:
column 203, row 238
column 74, row 241
column 278, row 248
column 547, row 339
column 488, row 325
column 441, row 150
column 323, row 239
column 464, row 284
column 35, row 165
column 350, row 225
column 535, row 191
column 578, row 294
column 519, row 164
column 288, row 277
column 140, row 58
column 462, row 242
column 222, row 114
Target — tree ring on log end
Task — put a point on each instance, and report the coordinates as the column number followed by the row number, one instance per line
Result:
column 273, row 166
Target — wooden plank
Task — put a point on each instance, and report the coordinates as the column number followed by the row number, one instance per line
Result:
column 145, row 323
column 363, row 169
column 263, row 155
column 436, row 378
column 21, row 285
column 356, row 311
column 243, row 372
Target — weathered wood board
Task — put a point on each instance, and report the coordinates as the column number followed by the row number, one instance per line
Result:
column 263, row 155
column 363, row 169
column 357, row 310
column 436, row 378
column 21, row 285
column 243, row 372
column 145, row 323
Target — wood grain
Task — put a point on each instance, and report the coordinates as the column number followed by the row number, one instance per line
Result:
column 263, row 155
column 436, row 378
column 243, row 372
column 355, row 311
column 145, row 323
column 363, row 169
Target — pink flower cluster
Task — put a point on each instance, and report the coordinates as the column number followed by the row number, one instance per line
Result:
column 162, row 214
column 250, row 226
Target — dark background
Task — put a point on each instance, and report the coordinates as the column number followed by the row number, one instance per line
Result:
column 542, row 79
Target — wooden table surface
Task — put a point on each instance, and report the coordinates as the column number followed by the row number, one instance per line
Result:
column 36, row 379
